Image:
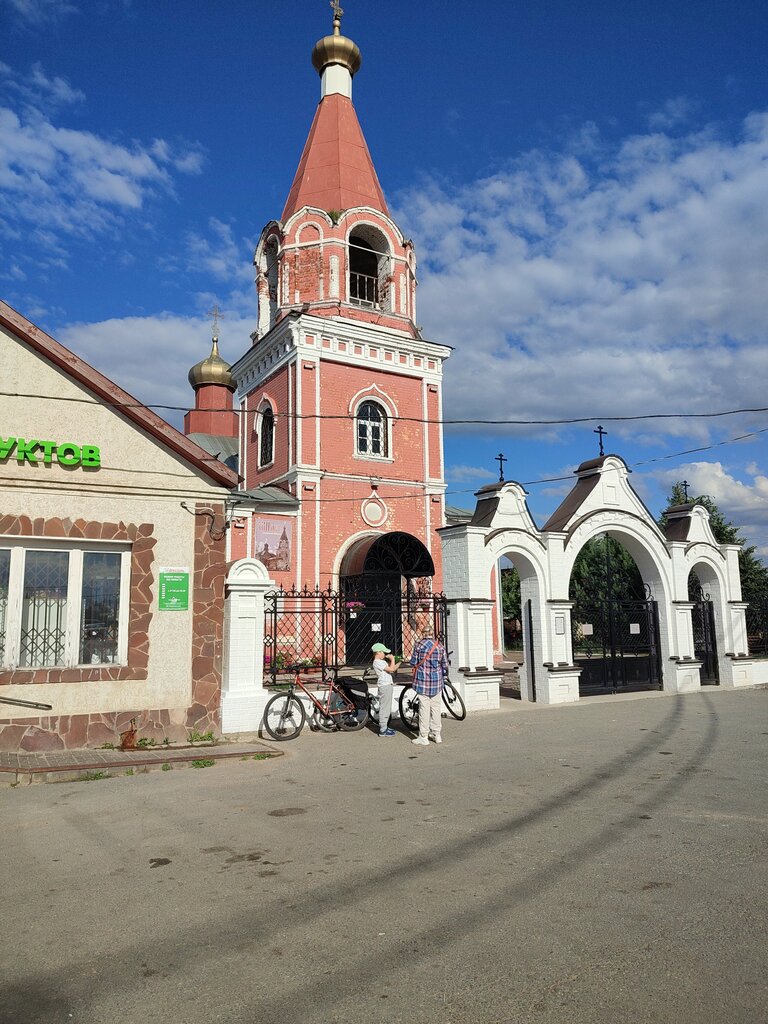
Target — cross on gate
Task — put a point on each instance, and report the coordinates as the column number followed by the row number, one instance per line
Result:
column 501, row 459
column 602, row 433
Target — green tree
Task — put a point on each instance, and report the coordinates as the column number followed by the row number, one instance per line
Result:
column 603, row 570
column 510, row 592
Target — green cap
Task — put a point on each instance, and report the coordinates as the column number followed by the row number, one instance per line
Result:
column 381, row 649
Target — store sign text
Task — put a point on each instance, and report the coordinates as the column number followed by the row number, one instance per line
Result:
column 66, row 454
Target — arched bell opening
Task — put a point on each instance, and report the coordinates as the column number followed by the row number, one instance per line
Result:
column 369, row 267
column 385, row 585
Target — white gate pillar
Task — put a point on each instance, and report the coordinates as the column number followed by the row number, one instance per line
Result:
column 560, row 683
column 243, row 696
column 467, row 586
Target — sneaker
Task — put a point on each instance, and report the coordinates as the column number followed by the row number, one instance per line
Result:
column 389, row 732
column 436, row 739
column 421, row 741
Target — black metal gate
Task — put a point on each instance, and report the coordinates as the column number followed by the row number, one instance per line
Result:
column 616, row 645
column 301, row 629
column 704, row 642
column 390, row 609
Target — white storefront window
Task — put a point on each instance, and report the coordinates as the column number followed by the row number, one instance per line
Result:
column 63, row 605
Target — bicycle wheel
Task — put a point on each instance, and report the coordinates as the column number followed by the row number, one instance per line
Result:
column 454, row 703
column 409, row 708
column 345, row 713
column 352, row 722
column 373, row 708
column 284, row 716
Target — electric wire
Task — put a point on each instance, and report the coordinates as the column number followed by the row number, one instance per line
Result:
column 440, row 421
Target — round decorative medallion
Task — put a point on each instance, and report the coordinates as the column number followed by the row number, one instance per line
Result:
column 374, row 511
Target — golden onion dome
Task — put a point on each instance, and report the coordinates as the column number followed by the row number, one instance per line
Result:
column 213, row 370
column 336, row 49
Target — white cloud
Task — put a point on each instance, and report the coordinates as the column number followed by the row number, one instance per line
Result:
column 68, row 181
column 218, row 254
column 40, row 12
column 674, row 112
column 744, row 503
column 38, row 89
column 468, row 474
column 628, row 284
column 150, row 356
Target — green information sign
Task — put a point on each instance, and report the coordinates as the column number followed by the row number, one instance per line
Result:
column 174, row 590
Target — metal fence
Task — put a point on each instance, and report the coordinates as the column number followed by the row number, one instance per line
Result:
column 757, row 627
column 324, row 631
column 301, row 629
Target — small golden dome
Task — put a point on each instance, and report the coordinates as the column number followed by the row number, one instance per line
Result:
column 213, row 370
column 336, row 49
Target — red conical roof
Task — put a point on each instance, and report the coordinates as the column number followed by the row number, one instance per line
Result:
column 335, row 171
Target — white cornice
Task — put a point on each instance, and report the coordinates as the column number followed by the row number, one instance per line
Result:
column 287, row 342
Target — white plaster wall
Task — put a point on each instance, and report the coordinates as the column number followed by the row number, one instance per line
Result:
column 139, row 482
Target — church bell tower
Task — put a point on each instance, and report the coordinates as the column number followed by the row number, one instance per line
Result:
column 340, row 395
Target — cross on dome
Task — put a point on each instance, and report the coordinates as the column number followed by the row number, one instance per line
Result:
column 217, row 315
column 337, row 13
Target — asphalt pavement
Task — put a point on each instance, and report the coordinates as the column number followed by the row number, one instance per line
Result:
column 590, row 864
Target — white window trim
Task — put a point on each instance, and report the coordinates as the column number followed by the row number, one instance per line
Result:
column 372, row 456
column 76, row 548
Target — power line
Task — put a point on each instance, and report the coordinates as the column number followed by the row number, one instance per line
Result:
column 444, row 421
column 421, row 495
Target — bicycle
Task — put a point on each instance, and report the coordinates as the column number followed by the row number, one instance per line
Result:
column 285, row 715
column 408, row 705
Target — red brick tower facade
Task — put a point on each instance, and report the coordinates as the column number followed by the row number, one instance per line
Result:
column 340, row 395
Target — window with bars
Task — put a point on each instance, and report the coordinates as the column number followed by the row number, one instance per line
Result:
column 63, row 606
column 372, row 436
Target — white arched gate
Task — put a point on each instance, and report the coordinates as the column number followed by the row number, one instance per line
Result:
column 651, row 645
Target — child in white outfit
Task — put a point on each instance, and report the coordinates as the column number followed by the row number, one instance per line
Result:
column 384, row 666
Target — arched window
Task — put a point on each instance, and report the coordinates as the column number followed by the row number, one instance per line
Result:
column 267, row 438
column 372, row 430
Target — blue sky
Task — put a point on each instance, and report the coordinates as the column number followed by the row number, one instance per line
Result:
column 587, row 186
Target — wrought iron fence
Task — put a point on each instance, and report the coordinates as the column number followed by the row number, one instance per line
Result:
column 301, row 629
column 757, row 627
column 323, row 631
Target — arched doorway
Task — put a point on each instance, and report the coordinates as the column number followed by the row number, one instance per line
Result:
column 615, row 621
column 385, row 585
column 702, row 586
column 519, row 616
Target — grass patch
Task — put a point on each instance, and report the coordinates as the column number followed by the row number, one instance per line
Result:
column 166, row 767
column 261, row 757
column 94, row 776
column 146, row 741
column 129, row 771
column 203, row 762
column 200, row 737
